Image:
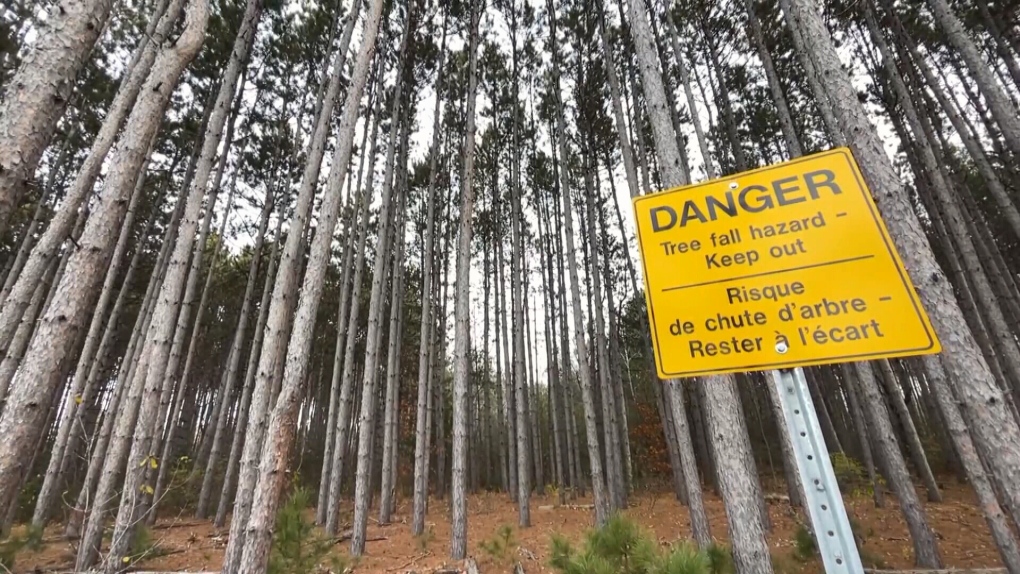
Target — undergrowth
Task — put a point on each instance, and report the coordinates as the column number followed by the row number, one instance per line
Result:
column 804, row 544
column 31, row 539
column 851, row 475
column 501, row 547
column 297, row 547
column 621, row 547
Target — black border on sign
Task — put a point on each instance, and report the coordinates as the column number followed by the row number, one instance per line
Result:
column 847, row 154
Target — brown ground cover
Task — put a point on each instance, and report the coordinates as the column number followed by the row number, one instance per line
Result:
column 189, row 545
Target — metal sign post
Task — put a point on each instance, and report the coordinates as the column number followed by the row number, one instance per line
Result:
column 824, row 504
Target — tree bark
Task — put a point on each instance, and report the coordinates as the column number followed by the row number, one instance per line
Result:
column 67, row 211
column 999, row 104
column 234, row 359
column 421, row 454
column 279, row 434
column 1005, row 539
column 860, row 425
column 238, row 442
column 343, row 432
column 778, row 98
column 895, row 395
column 982, row 401
column 37, row 94
column 22, row 418
column 162, row 358
column 462, row 311
column 389, row 467
column 926, row 553
column 271, row 356
column 601, row 499
column 685, row 79
column 82, row 386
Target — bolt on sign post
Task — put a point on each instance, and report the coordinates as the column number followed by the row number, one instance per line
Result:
column 775, row 269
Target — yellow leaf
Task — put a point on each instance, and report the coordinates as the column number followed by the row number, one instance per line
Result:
column 152, row 463
column 126, row 559
column 146, row 489
column 77, row 399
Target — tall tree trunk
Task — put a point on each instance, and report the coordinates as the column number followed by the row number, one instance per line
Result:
column 462, row 311
column 981, row 400
column 389, row 470
column 778, row 98
column 1003, row 535
column 860, row 425
column 234, row 359
column 1002, row 108
column 342, row 334
column 37, row 94
column 123, row 380
column 22, row 420
column 739, row 490
column 162, row 357
column 599, row 494
column 183, row 391
column 241, row 422
column 66, row 212
column 894, row 393
column 685, row 79
column 81, row 393
column 271, row 357
column 343, row 430
column 421, row 454
column 926, row 554
column 390, row 213
column 279, row 433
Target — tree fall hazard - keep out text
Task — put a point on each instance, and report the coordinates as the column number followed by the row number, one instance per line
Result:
column 785, row 266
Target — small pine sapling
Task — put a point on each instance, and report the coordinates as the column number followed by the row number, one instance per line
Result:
column 297, row 548
column 501, row 547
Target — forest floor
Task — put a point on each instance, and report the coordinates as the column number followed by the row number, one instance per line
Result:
column 188, row 545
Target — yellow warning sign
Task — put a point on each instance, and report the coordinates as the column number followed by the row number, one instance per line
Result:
column 785, row 266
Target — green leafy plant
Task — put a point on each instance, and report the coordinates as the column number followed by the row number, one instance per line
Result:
column 720, row 558
column 297, row 547
column 621, row 547
column 871, row 560
column 851, row 475
column 180, row 493
column 785, row 564
column 804, row 544
column 501, row 547
column 31, row 539
column 552, row 491
column 683, row 559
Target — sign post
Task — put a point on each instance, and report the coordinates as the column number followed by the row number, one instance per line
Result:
column 772, row 270
column 823, row 501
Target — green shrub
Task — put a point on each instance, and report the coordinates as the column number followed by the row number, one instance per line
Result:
column 720, row 558
column 180, row 493
column 871, row 560
column 849, row 473
column 31, row 539
column 501, row 547
column 804, row 544
column 621, row 547
column 297, row 548
column 683, row 559
column 785, row 564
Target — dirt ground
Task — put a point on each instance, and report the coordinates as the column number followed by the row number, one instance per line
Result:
column 188, row 545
